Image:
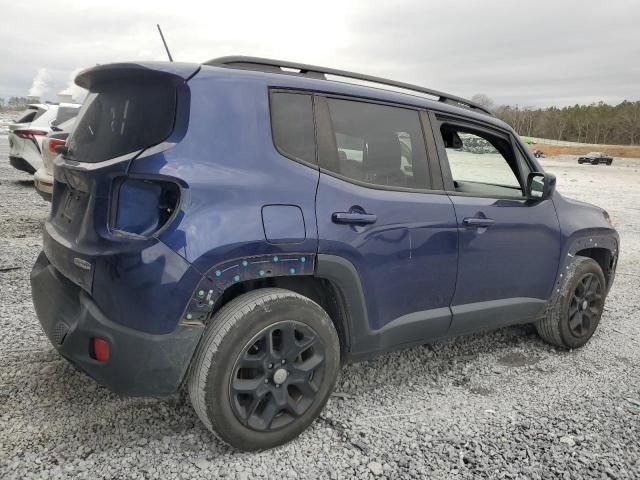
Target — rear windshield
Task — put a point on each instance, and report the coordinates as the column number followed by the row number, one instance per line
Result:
column 27, row 116
column 118, row 118
column 64, row 114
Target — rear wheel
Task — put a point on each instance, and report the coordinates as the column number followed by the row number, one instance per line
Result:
column 573, row 318
column 264, row 369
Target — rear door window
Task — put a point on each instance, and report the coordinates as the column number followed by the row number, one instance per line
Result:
column 118, row 118
column 377, row 144
column 292, row 125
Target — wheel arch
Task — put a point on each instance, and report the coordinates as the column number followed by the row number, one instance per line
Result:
column 334, row 285
column 601, row 247
column 320, row 290
column 604, row 257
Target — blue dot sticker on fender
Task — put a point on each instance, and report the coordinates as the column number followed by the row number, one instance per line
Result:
column 303, row 259
column 292, row 270
column 276, row 259
column 218, row 273
column 261, row 273
column 245, row 263
column 236, row 278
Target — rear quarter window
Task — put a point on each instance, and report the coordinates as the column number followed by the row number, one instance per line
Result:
column 118, row 118
column 292, row 125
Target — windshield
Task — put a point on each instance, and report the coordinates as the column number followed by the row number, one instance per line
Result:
column 122, row 117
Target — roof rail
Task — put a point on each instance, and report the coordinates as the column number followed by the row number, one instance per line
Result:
column 280, row 66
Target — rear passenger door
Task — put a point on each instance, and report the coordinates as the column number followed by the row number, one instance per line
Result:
column 376, row 207
column 509, row 246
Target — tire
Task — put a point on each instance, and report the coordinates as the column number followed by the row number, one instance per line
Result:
column 609, row 162
column 569, row 322
column 253, row 397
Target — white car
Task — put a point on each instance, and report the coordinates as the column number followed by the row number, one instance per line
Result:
column 43, row 178
column 26, row 134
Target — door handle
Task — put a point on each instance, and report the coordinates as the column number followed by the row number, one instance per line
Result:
column 477, row 222
column 354, row 218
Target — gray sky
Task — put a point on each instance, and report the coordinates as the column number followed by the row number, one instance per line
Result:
column 537, row 53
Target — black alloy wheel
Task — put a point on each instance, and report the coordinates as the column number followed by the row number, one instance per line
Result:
column 586, row 305
column 277, row 376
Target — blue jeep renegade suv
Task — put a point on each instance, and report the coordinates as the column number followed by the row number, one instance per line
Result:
column 243, row 226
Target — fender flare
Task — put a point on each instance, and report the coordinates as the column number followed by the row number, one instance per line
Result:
column 581, row 241
column 344, row 276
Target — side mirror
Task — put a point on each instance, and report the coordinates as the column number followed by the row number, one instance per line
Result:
column 540, row 186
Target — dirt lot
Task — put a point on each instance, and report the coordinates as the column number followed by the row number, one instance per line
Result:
column 626, row 151
column 497, row 405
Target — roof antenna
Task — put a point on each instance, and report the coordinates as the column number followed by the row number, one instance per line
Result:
column 164, row 42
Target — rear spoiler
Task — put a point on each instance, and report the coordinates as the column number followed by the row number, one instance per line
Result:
column 175, row 72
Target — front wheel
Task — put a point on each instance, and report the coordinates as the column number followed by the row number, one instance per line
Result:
column 573, row 318
column 264, row 369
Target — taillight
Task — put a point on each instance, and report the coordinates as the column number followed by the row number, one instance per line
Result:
column 53, row 143
column 143, row 206
column 29, row 133
column 100, row 349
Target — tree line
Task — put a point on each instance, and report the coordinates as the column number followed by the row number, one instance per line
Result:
column 14, row 103
column 595, row 123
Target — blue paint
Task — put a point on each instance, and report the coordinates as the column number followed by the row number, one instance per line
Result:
column 242, row 201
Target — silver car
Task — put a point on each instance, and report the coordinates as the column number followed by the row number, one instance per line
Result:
column 43, row 178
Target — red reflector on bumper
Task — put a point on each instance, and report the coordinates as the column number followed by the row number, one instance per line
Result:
column 100, row 349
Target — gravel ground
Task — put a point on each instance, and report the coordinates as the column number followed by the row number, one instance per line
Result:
column 497, row 405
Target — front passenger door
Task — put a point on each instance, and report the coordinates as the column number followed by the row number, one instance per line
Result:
column 509, row 246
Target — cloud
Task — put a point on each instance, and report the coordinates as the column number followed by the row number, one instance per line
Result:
column 76, row 92
column 548, row 52
column 39, row 85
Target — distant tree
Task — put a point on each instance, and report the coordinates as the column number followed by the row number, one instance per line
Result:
column 629, row 121
column 483, row 100
column 595, row 123
column 17, row 103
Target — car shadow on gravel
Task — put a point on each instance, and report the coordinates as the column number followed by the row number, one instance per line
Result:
column 71, row 401
column 23, row 183
column 453, row 361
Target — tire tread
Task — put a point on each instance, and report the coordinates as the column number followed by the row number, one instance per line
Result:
column 228, row 318
column 549, row 326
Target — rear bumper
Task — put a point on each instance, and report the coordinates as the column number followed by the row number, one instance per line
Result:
column 140, row 363
column 43, row 182
column 21, row 164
